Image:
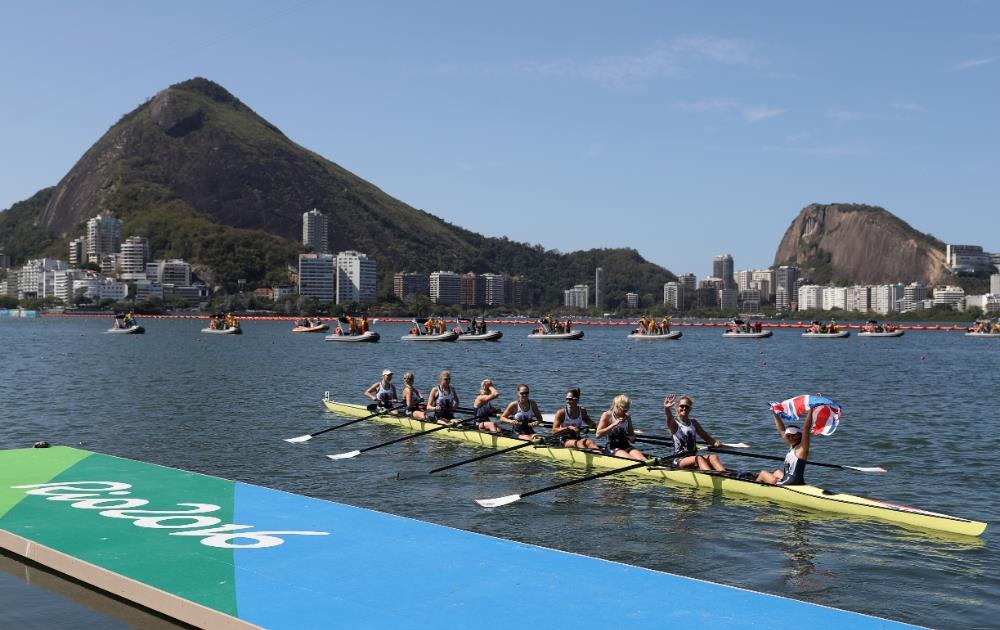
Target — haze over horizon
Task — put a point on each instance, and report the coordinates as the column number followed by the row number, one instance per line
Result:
column 681, row 131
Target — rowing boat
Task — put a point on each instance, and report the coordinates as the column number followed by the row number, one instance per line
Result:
column 673, row 334
column 576, row 334
column 840, row 334
column 729, row 334
column 803, row 496
column 489, row 335
column 366, row 337
column 448, row 335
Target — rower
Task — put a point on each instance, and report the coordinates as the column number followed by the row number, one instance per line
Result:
column 484, row 410
column 383, row 392
column 523, row 415
column 792, row 472
column 443, row 400
column 616, row 424
column 569, row 422
column 684, row 429
column 412, row 398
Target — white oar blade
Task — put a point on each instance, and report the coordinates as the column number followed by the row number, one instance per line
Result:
column 867, row 468
column 737, row 445
column 497, row 502
column 345, row 455
column 299, row 440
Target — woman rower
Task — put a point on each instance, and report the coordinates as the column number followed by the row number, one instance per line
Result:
column 523, row 415
column 484, row 410
column 616, row 424
column 684, row 430
column 412, row 399
column 792, row 472
column 384, row 392
column 569, row 422
column 443, row 400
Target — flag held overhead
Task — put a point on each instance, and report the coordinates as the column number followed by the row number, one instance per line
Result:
column 825, row 420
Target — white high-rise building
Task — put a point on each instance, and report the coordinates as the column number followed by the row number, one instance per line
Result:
column 355, row 278
column 445, row 287
column 632, row 300
column 578, row 296
column 63, row 283
column 950, row 296
column 78, row 251
column 834, row 298
column 175, row 271
column 104, row 236
column 862, row 300
column 494, row 289
column 111, row 289
column 134, row 255
column 886, row 298
column 318, row 276
column 35, row 278
column 995, row 284
column 673, row 295
column 315, row 231
column 689, row 281
column 810, row 297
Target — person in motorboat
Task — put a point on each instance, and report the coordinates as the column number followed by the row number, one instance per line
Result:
column 443, row 400
column 522, row 415
column 383, row 392
column 364, row 324
column 616, row 425
column 792, row 472
column 665, row 326
column 412, row 398
column 685, row 430
column 484, row 409
column 571, row 421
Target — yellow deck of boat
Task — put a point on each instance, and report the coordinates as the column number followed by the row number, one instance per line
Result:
column 803, row 496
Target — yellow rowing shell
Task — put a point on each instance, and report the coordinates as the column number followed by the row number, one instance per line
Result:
column 803, row 496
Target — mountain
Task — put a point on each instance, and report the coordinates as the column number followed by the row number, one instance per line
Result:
column 209, row 180
column 855, row 243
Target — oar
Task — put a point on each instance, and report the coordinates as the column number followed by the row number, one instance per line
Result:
column 511, row 498
column 351, row 454
column 664, row 441
column 875, row 469
column 309, row 436
column 419, row 474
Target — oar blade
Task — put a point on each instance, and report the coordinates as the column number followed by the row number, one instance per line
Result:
column 299, row 440
column 497, row 502
column 736, row 445
column 874, row 469
column 347, row 455
column 406, row 475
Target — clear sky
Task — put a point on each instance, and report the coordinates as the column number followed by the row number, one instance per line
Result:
column 681, row 129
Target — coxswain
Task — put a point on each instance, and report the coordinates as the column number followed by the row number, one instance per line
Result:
column 442, row 400
column 792, row 472
column 383, row 392
column 684, row 430
column 570, row 422
column 616, row 425
column 485, row 410
column 411, row 396
column 522, row 415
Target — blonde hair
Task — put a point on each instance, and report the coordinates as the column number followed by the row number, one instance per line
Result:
column 485, row 385
column 621, row 400
column 687, row 398
column 408, row 378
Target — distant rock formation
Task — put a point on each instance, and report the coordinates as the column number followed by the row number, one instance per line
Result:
column 856, row 243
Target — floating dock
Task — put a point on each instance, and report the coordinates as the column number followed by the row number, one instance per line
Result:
column 222, row 554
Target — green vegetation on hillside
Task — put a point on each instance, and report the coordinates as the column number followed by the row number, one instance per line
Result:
column 21, row 236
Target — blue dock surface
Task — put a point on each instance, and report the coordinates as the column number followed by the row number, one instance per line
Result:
column 218, row 553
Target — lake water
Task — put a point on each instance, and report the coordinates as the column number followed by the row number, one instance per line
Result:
column 924, row 406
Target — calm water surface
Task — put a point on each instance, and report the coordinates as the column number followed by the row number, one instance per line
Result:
column 924, row 406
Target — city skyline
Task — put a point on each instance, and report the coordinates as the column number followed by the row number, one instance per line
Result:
column 682, row 112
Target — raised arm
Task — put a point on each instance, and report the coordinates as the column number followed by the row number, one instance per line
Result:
column 490, row 394
column 803, row 450
column 778, row 424
column 668, row 409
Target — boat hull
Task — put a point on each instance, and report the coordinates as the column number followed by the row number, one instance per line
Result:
column 133, row 330
column 224, row 331
column 895, row 333
column 445, row 336
column 843, row 334
column 489, row 335
column 988, row 335
column 673, row 334
column 570, row 336
column 803, row 496
column 310, row 329
column 764, row 334
column 369, row 337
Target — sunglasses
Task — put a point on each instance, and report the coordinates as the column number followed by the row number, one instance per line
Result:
column 523, row 393
column 683, row 406
column 571, row 400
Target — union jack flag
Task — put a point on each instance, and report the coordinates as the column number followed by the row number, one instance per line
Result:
column 825, row 420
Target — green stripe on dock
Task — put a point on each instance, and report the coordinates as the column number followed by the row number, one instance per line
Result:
column 32, row 465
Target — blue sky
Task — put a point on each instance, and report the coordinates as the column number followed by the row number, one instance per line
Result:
column 683, row 130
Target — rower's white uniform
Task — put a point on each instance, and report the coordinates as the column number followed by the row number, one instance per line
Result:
column 618, row 437
column 446, row 403
column 522, row 420
column 576, row 422
column 385, row 395
column 684, row 441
